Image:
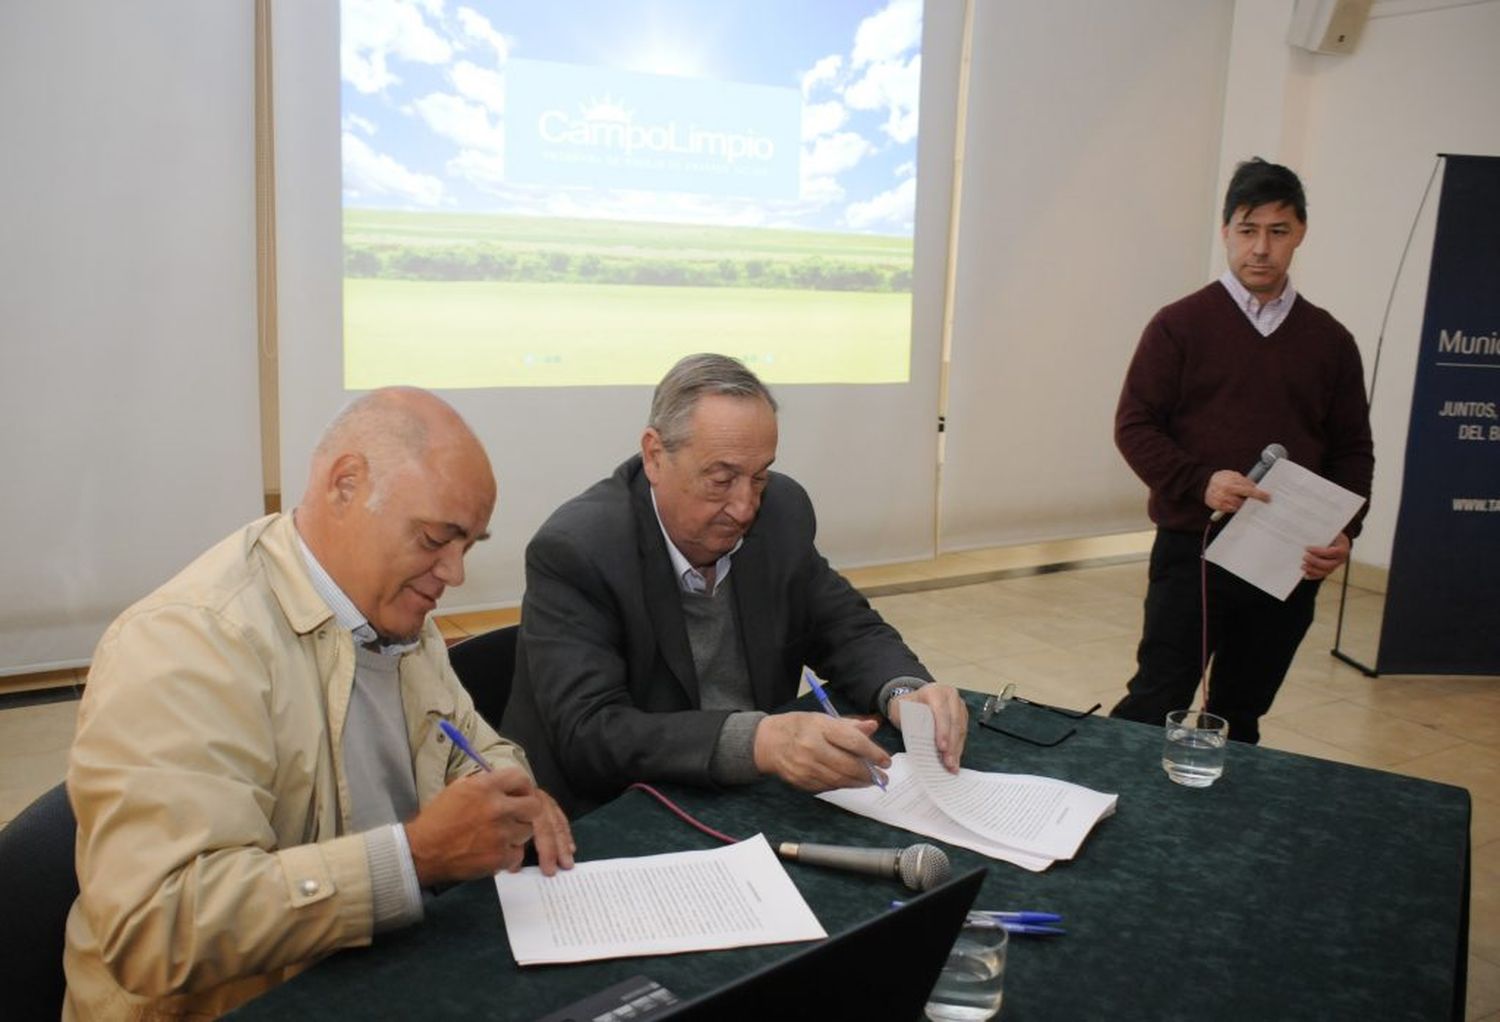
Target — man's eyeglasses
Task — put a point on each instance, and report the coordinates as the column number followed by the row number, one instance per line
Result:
column 996, row 704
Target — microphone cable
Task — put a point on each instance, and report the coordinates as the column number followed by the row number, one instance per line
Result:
column 1203, row 614
column 683, row 815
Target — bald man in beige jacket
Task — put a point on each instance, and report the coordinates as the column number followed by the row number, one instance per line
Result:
column 258, row 774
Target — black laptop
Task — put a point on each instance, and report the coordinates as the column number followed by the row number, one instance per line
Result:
column 882, row 969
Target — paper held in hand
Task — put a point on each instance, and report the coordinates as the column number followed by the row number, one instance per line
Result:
column 735, row 896
column 1017, row 818
column 1264, row 542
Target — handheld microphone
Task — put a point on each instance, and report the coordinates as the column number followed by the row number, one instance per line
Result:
column 1268, row 457
column 920, row 867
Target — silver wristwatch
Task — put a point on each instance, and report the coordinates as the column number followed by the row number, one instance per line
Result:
column 897, row 693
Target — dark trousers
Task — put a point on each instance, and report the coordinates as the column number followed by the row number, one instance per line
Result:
column 1252, row 637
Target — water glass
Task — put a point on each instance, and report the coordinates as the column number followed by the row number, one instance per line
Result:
column 971, row 984
column 1193, row 752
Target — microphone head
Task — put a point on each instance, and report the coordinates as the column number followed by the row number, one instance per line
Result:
column 1272, row 454
column 923, row 866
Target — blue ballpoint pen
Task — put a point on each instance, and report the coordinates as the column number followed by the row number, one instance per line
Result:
column 1015, row 922
column 822, row 697
column 1040, row 931
column 1019, row 917
column 459, row 740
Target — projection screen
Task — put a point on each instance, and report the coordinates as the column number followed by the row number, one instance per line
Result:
column 536, row 211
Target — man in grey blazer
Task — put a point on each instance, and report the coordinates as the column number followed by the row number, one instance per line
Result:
column 672, row 606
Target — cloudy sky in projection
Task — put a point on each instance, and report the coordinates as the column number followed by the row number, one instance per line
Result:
column 424, row 101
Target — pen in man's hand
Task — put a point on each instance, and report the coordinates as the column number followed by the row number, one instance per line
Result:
column 823, row 700
column 459, row 740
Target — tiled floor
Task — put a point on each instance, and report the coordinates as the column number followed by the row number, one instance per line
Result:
column 1069, row 637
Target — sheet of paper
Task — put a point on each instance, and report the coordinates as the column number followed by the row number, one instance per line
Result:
column 1264, row 542
column 1029, row 821
column 904, row 804
column 735, row 896
column 1038, row 815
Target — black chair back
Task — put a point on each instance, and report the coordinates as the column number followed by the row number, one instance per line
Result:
column 37, row 888
column 485, row 665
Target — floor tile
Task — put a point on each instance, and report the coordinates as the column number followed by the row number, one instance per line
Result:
column 1484, row 989
column 1476, row 767
column 28, row 730
column 972, row 643
column 1275, row 735
column 1484, row 904
column 1377, row 737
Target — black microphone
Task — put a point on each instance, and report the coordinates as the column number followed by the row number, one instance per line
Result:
column 920, row 867
column 1268, row 457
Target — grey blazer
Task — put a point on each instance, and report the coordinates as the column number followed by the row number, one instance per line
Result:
column 605, row 690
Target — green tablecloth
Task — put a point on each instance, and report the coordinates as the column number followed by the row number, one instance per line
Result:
column 1294, row 888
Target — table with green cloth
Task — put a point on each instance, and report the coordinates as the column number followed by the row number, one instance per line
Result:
column 1293, row 888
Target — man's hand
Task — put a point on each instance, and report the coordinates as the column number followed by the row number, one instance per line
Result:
column 477, row 826
column 950, row 719
column 1227, row 491
column 1318, row 561
column 816, row 752
column 553, row 836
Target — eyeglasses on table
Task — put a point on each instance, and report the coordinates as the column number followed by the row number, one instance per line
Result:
column 996, row 704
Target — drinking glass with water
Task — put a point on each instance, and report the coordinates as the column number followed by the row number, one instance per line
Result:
column 1193, row 751
column 972, row 982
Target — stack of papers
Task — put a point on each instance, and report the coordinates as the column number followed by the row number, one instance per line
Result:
column 1029, row 821
column 654, row 905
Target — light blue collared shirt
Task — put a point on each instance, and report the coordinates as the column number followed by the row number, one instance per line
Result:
column 344, row 611
column 405, row 901
column 1264, row 316
column 689, row 578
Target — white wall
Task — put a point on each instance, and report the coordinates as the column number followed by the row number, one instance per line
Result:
column 127, row 307
column 1093, row 139
column 1364, row 130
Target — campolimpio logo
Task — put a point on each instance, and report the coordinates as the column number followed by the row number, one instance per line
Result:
column 607, row 124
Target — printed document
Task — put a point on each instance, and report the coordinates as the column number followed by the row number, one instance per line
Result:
column 1026, row 820
column 1264, row 542
column 734, row 896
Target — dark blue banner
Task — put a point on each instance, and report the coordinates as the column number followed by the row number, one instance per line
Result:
column 1442, row 612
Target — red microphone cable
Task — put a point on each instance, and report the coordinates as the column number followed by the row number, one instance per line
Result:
column 1203, row 614
column 683, row 815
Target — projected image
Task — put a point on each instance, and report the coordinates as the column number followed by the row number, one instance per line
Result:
column 579, row 193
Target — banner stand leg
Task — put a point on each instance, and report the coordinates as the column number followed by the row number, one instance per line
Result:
column 1346, row 658
column 1338, row 634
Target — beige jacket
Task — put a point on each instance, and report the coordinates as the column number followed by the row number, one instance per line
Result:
column 214, row 854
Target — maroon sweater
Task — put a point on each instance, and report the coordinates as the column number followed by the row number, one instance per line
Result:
column 1206, row 392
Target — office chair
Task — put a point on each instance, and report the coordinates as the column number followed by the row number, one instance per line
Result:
column 485, row 664
column 37, row 888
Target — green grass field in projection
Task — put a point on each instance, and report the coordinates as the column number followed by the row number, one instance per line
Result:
column 457, row 300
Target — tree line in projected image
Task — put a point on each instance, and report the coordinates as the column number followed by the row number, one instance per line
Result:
column 390, row 245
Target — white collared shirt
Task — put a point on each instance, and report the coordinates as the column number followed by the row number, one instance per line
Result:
column 1264, row 316
column 689, row 578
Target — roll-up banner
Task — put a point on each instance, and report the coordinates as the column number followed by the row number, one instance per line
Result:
column 1442, row 612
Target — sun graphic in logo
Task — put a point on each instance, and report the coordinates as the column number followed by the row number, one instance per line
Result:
column 606, row 109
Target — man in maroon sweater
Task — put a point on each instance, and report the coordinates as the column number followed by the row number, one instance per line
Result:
column 1218, row 375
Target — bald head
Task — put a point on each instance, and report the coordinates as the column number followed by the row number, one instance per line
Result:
column 395, row 429
column 399, row 490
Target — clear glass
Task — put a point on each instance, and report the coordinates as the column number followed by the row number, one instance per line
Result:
column 1192, row 753
column 972, row 982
